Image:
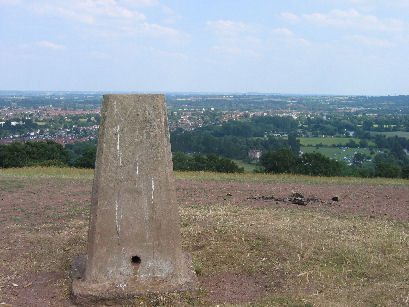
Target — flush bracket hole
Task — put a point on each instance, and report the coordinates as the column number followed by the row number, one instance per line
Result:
column 136, row 260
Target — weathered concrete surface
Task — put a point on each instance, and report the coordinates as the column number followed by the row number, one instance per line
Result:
column 134, row 243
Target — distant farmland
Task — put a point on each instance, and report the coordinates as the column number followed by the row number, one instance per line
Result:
column 402, row 134
column 336, row 152
column 328, row 141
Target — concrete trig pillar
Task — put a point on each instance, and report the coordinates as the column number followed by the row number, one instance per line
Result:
column 134, row 242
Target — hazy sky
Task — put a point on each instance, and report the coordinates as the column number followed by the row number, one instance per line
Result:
column 275, row 46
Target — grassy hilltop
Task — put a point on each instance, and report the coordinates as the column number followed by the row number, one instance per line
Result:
column 251, row 246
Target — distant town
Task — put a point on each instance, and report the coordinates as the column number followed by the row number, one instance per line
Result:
column 71, row 117
column 355, row 130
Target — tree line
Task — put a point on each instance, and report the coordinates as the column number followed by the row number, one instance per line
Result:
column 50, row 153
column 233, row 139
column 316, row 164
column 47, row 153
column 284, row 160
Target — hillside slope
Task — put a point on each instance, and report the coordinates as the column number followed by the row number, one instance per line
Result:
column 254, row 239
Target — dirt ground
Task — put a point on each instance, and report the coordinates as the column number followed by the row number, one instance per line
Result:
column 37, row 215
column 371, row 200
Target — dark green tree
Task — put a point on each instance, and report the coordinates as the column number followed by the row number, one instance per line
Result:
column 294, row 143
column 405, row 172
column 358, row 159
column 281, row 161
column 46, row 153
column 12, row 155
column 387, row 169
column 319, row 165
column 181, row 162
column 199, row 162
column 87, row 158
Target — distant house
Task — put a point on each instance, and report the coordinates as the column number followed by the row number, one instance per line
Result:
column 16, row 123
column 255, row 154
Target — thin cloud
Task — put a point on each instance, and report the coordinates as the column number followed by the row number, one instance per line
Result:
column 288, row 36
column 289, row 17
column 158, row 30
column 50, row 45
column 388, row 3
column 229, row 28
column 353, row 19
column 141, row 3
column 403, row 3
column 282, row 31
column 63, row 12
column 87, row 11
column 235, row 51
column 302, row 41
column 169, row 54
column 111, row 18
column 153, row 30
column 369, row 41
column 100, row 55
column 9, row 2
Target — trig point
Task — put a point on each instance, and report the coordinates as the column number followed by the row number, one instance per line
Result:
column 134, row 243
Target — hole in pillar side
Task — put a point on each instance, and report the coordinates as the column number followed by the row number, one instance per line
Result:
column 136, row 260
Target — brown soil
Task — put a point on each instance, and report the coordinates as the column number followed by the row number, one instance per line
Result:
column 56, row 211
column 240, row 288
column 371, row 200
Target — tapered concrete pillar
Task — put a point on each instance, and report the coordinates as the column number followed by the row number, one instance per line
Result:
column 134, row 243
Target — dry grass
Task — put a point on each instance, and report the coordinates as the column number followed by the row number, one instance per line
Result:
column 325, row 261
column 319, row 260
column 75, row 173
column 270, row 178
column 48, row 172
column 302, row 258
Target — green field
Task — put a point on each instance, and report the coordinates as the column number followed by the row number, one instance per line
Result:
column 336, row 153
column 248, row 168
column 402, row 134
column 327, row 141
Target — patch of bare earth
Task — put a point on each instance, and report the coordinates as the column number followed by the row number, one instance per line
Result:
column 241, row 288
column 371, row 200
column 43, row 227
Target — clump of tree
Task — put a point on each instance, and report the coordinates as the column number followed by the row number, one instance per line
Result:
column 87, row 158
column 233, row 139
column 181, row 161
column 47, row 153
column 284, row 160
column 405, row 172
column 209, row 162
column 387, row 169
column 50, row 153
column 230, row 146
column 315, row 164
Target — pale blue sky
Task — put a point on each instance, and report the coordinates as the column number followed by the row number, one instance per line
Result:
column 275, row 46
